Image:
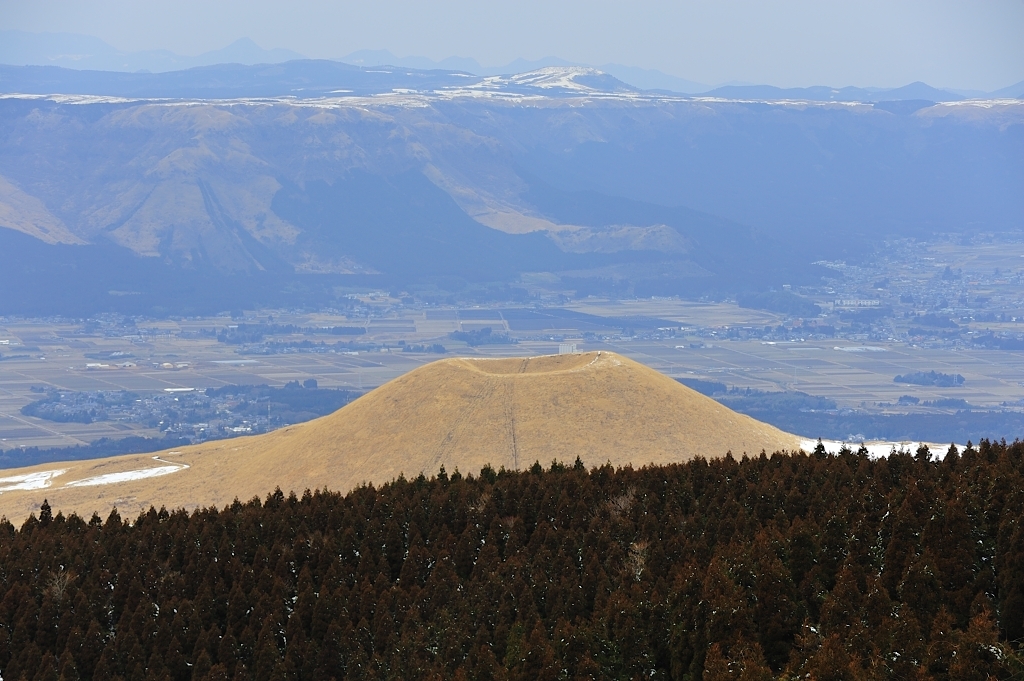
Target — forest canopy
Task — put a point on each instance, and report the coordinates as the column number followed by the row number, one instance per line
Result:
column 809, row 566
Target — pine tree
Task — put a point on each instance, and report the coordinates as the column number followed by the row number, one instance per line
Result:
column 67, row 669
column 47, row 670
column 716, row 665
column 266, row 655
column 978, row 656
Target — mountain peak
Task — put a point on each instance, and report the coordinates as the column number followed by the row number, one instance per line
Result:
column 559, row 80
column 460, row 413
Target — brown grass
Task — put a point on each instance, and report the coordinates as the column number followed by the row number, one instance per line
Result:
column 458, row 413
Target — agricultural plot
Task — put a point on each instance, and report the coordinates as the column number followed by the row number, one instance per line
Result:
column 679, row 338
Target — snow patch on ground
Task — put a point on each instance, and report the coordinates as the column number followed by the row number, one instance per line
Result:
column 562, row 77
column 876, row 450
column 982, row 103
column 125, row 476
column 29, row 481
column 128, row 476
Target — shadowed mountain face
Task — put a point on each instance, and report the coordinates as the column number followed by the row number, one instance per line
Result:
column 438, row 174
column 826, row 178
column 405, row 226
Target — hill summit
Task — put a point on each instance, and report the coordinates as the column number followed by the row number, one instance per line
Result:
column 462, row 414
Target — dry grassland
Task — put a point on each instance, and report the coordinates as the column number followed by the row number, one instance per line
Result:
column 457, row 413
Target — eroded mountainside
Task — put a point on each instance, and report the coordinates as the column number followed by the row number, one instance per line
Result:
column 434, row 174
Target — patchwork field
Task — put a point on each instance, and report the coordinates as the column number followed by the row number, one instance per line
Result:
column 691, row 342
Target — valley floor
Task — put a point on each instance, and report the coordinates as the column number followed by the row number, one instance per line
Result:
column 711, row 342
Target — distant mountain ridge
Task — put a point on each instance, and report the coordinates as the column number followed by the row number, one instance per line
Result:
column 87, row 53
column 1015, row 91
column 913, row 91
column 72, row 50
column 311, row 78
column 644, row 79
column 300, row 79
column 69, row 50
column 306, row 78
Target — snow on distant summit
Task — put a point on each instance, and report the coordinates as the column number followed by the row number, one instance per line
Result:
column 555, row 79
column 570, row 78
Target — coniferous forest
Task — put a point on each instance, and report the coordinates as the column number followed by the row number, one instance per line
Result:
column 806, row 566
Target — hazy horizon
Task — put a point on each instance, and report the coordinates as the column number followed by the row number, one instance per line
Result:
column 797, row 43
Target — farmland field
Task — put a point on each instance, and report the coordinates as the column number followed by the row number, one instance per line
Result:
column 681, row 339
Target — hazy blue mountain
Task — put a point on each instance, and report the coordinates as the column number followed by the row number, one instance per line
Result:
column 967, row 94
column 644, row 79
column 70, row 50
column 75, row 51
column 917, row 90
column 820, row 176
column 245, row 51
column 1015, row 91
column 652, row 79
column 443, row 180
column 369, row 58
column 304, row 78
column 374, row 58
column 523, row 65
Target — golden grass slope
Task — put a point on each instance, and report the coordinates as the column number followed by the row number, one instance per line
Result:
column 457, row 413
column 27, row 214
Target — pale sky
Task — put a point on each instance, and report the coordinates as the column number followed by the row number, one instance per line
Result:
column 975, row 44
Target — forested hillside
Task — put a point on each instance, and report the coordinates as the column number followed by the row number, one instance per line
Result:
column 817, row 566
